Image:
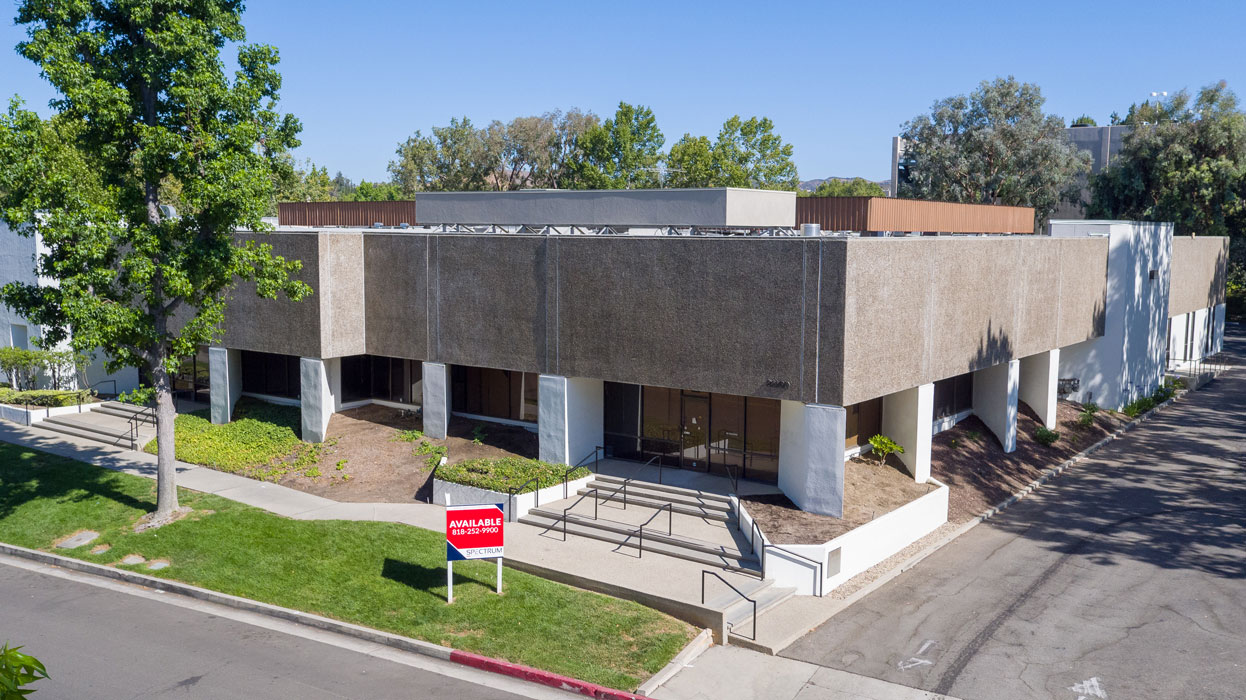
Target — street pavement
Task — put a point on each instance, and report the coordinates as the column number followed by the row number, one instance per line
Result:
column 1123, row 578
column 102, row 639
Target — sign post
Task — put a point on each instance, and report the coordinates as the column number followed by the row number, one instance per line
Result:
column 473, row 532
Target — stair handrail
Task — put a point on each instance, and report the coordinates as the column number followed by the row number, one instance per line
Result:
column 817, row 572
column 752, row 541
column 510, row 495
column 581, row 463
column 139, row 417
column 106, row 381
column 737, row 592
column 670, row 525
column 586, row 494
column 658, row 459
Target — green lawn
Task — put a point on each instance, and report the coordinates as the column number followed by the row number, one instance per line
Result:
column 383, row 575
column 261, row 442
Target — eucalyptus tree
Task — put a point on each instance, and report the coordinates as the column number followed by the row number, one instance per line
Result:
column 144, row 102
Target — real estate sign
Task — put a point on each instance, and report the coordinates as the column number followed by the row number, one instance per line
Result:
column 474, row 532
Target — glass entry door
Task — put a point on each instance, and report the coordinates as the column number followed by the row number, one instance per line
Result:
column 695, row 435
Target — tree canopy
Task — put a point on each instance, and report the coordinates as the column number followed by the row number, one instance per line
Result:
column 144, row 103
column 622, row 152
column 748, row 153
column 993, row 146
column 856, row 187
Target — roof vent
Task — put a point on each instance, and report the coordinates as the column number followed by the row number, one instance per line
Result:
column 378, row 224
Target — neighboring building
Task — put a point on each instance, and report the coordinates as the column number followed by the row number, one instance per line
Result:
column 700, row 328
column 17, row 264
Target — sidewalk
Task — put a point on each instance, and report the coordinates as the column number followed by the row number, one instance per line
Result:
column 731, row 673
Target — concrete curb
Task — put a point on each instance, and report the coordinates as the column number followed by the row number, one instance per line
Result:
column 695, row 648
column 367, row 634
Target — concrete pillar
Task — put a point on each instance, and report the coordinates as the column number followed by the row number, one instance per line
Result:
column 995, row 391
column 811, row 456
column 436, row 401
column 317, row 379
column 1178, row 328
column 224, row 382
column 571, row 417
column 1217, row 329
column 1039, row 379
column 908, row 418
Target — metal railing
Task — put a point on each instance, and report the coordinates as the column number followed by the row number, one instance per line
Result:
column 738, row 592
column 510, row 496
column 565, row 511
column 818, row 581
column 670, row 526
column 147, row 415
column 754, row 531
column 106, row 381
column 594, row 469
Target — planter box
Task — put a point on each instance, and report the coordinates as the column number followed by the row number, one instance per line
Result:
column 460, row 494
column 21, row 416
column 855, row 550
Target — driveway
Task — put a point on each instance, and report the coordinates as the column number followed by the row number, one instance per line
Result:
column 1123, row 578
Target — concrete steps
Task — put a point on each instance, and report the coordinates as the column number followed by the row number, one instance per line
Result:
column 738, row 609
column 654, row 541
column 108, row 423
column 664, row 489
column 641, row 494
column 124, row 410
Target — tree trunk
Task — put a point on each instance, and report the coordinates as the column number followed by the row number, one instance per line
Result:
column 166, row 462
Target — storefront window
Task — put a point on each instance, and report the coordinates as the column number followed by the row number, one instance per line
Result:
column 270, row 374
column 495, row 393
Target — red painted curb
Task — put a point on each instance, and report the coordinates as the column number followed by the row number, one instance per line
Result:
column 535, row 675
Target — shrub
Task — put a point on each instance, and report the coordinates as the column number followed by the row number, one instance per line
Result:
column 44, row 398
column 507, row 473
column 1090, row 407
column 1138, row 407
column 1045, row 436
column 974, row 435
column 142, row 396
column 18, row 670
column 882, row 446
column 1085, row 420
column 409, row 436
column 478, row 434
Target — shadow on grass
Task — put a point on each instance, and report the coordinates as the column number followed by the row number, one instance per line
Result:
column 423, row 578
column 27, row 476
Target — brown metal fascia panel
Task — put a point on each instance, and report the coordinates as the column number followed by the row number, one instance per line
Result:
column 833, row 213
column 353, row 214
column 888, row 214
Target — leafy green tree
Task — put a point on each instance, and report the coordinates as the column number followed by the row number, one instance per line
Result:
column 458, row 157
column 750, row 154
column 994, row 146
column 342, row 187
column 692, row 163
column 306, row 184
column 1084, row 120
column 144, row 98
column 856, row 187
column 375, row 192
column 622, row 152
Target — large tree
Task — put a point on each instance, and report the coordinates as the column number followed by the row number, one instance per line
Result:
column 620, row 153
column 144, row 99
column 747, row 154
column 993, row 146
column 856, row 187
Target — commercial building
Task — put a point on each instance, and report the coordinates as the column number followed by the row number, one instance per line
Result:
column 710, row 330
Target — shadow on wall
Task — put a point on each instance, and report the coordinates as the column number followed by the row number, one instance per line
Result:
column 1176, row 507
column 993, row 349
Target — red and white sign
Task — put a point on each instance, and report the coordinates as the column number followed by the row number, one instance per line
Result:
column 474, row 532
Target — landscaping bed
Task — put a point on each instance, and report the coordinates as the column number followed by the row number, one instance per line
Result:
column 508, row 473
column 45, row 398
column 383, row 575
column 969, row 459
column 870, row 490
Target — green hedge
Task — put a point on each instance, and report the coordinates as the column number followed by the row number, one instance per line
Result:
column 509, row 472
column 262, row 441
column 44, row 397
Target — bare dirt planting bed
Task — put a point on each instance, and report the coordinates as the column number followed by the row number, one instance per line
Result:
column 376, row 466
column 969, row 459
column 870, row 490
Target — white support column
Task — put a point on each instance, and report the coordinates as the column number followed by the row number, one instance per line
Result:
column 316, row 381
column 995, row 391
column 570, row 418
column 224, row 382
column 1217, row 329
column 811, row 456
column 1039, row 377
column 908, row 418
column 436, row 402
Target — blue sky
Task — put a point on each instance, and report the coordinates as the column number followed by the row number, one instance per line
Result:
column 836, row 78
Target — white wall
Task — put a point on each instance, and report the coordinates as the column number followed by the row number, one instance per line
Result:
column 1038, row 385
column 1128, row 360
column 570, row 417
column 224, row 382
column 1217, row 328
column 908, row 418
column 317, row 378
column 811, row 456
column 995, row 393
column 435, row 405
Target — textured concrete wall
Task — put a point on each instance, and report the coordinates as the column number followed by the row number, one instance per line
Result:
column 278, row 325
column 342, row 294
column 713, row 314
column 489, row 299
column 921, row 309
column 395, row 291
column 670, row 207
column 1199, row 266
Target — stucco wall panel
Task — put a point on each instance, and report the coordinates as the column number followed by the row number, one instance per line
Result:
column 342, row 294
column 395, row 285
column 489, row 293
column 1199, row 266
column 1083, row 282
column 278, row 325
column 712, row 314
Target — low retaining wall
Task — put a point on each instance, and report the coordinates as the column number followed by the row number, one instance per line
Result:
column 22, row 416
column 460, row 494
column 855, row 550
